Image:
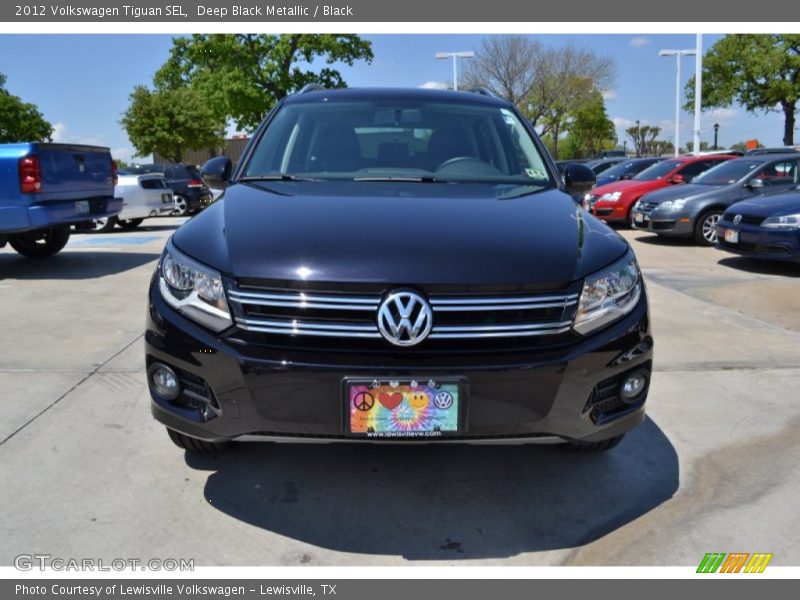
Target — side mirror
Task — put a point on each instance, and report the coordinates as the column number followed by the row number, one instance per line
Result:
column 677, row 178
column 217, row 172
column 755, row 183
column 578, row 179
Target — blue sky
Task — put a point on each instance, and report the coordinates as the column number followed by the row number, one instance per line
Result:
column 81, row 82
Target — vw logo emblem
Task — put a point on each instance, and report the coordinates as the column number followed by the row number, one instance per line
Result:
column 737, row 219
column 405, row 318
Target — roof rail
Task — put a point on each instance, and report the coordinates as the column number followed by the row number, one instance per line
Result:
column 312, row 87
column 483, row 91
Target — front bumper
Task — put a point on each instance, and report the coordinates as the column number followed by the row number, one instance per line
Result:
column 611, row 212
column 759, row 242
column 278, row 395
column 663, row 223
column 17, row 219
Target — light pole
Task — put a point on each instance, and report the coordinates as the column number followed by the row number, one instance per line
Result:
column 716, row 132
column 677, row 54
column 455, row 56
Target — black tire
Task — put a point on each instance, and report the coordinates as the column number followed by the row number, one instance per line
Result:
column 194, row 445
column 705, row 221
column 40, row 244
column 181, row 206
column 129, row 223
column 594, row 447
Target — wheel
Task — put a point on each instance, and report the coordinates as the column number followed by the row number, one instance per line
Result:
column 181, row 206
column 129, row 223
column 593, row 447
column 705, row 229
column 40, row 244
column 194, row 445
column 103, row 225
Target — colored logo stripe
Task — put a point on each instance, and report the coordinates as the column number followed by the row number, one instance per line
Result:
column 735, row 562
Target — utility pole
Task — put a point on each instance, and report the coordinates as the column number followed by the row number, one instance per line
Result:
column 455, row 56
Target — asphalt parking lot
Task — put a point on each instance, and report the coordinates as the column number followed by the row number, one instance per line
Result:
column 86, row 472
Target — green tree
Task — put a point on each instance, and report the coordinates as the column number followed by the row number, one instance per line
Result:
column 170, row 122
column 590, row 130
column 21, row 121
column 760, row 72
column 242, row 76
column 644, row 139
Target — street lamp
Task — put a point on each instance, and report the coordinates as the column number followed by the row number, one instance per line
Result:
column 455, row 56
column 678, row 54
column 716, row 132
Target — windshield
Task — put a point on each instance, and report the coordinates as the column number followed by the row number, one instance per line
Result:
column 658, row 170
column 398, row 140
column 727, row 172
column 623, row 168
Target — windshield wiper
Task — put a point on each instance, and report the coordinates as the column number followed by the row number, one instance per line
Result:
column 423, row 179
column 278, row 177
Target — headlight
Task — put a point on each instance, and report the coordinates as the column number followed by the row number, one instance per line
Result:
column 608, row 295
column 193, row 289
column 782, row 222
column 673, row 205
column 611, row 196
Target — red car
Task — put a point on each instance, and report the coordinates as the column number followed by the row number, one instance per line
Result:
column 613, row 202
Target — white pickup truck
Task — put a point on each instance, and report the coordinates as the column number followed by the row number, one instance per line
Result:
column 143, row 196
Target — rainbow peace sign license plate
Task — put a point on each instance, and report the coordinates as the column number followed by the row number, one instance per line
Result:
column 404, row 408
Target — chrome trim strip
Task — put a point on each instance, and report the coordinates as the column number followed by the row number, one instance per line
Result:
column 498, row 328
column 303, row 297
column 494, row 334
column 295, row 324
column 503, row 299
column 488, row 307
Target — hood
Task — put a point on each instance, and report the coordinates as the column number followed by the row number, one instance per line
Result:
column 768, row 206
column 627, row 186
column 400, row 234
column 685, row 190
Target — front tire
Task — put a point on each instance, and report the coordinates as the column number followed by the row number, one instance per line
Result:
column 129, row 223
column 40, row 244
column 194, row 445
column 705, row 229
column 594, row 447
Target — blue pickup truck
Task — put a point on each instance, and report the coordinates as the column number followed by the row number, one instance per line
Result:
column 47, row 188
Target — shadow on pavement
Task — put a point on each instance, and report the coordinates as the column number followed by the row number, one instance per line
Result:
column 659, row 240
column 441, row 502
column 762, row 267
column 71, row 265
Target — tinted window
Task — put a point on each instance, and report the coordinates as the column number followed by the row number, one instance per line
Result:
column 782, row 173
column 658, row 170
column 691, row 170
column 727, row 172
column 398, row 138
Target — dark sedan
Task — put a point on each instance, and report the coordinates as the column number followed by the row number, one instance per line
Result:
column 767, row 227
column 626, row 169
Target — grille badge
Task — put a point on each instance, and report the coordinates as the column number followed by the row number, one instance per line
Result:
column 405, row 318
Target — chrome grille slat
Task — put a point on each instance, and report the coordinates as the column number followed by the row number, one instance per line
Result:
column 310, row 318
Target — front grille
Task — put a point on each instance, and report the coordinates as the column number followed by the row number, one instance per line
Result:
column 326, row 314
column 195, row 391
column 605, row 404
column 647, row 206
column 746, row 219
column 603, row 212
column 760, row 248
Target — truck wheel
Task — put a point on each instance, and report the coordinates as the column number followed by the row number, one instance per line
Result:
column 129, row 223
column 103, row 225
column 194, row 445
column 705, row 228
column 594, row 447
column 181, row 207
column 40, row 244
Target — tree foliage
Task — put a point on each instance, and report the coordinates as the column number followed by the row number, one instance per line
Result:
column 21, row 121
column 590, row 130
column 169, row 122
column 645, row 142
column 242, row 76
column 760, row 72
column 546, row 84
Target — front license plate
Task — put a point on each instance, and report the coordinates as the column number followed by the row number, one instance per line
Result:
column 732, row 236
column 82, row 207
column 166, row 198
column 638, row 217
column 404, row 408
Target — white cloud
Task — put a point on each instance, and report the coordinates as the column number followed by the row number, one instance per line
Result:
column 639, row 41
column 609, row 95
column 434, row 85
column 722, row 114
column 63, row 134
column 623, row 123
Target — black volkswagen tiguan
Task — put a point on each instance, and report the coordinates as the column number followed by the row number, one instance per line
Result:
column 397, row 266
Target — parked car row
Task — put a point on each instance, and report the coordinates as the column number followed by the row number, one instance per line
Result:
column 748, row 205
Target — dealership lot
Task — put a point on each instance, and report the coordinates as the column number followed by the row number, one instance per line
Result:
column 88, row 473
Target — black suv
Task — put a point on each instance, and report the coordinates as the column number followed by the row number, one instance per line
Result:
column 397, row 265
column 191, row 193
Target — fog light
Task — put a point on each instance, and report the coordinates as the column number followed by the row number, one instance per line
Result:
column 164, row 381
column 632, row 386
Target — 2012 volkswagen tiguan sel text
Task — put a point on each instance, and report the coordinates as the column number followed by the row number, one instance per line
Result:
column 397, row 266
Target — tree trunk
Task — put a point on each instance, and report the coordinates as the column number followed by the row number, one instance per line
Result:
column 788, row 123
column 555, row 141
